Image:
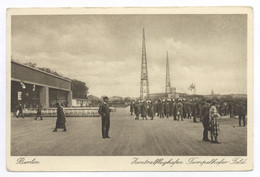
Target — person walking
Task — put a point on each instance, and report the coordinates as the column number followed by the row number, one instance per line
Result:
column 39, row 112
column 104, row 111
column 61, row 119
column 20, row 111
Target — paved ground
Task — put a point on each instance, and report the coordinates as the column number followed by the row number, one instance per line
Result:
column 128, row 137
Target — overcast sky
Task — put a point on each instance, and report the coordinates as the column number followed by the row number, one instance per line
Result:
column 105, row 50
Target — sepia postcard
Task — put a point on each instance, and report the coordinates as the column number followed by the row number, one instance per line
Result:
column 130, row 89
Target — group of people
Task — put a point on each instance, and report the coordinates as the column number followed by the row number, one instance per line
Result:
column 206, row 111
column 178, row 109
column 61, row 119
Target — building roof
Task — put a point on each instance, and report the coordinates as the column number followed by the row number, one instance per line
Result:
column 36, row 69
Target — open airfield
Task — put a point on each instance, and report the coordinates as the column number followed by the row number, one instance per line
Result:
column 129, row 137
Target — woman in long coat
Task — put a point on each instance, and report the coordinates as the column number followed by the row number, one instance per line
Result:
column 61, row 120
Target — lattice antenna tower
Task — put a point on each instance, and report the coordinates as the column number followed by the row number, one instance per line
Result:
column 144, row 84
column 168, row 80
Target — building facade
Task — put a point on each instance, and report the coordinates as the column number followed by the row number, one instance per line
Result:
column 31, row 86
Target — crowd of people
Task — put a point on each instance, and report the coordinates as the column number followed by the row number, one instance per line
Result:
column 199, row 110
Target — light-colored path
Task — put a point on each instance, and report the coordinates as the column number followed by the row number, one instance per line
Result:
column 128, row 137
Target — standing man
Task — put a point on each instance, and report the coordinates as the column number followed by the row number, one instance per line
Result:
column 137, row 111
column 188, row 108
column 104, row 111
column 155, row 108
column 179, row 108
column 195, row 111
column 131, row 108
column 184, row 108
column 242, row 113
column 39, row 111
column 174, row 110
column 144, row 110
column 61, row 120
column 167, row 109
column 162, row 109
column 159, row 108
column 205, row 120
column 151, row 110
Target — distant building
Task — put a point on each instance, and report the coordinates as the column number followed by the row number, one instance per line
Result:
column 156, row 96
column 180, row 95
column 79, row 102
column 116, row 99
column 172, row 95
column 212, row 92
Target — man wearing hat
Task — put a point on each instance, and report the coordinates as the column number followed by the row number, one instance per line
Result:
column 167, row 109
column 131, row 108
column 160, row 108
column 179, row 108
column 174, row 112
column 137, row 110
column 144, row 110
column 242, row 113
column 195, row 110
column 104, row 111
column 205, row 120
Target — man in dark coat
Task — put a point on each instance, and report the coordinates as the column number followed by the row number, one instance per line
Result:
column 144, row 110
column 195, row 111
column 131, row 108
column 174, row 112
column 179, row 108
column 184, row 109
column 162, row 109
column 167, row 109
column 104, row 111
column 242, row 113
column 171, row 102
column 205, row 120
column 188, row 109
column 39, row 112
column 156, row 108
column 61, row 120
column 137, row 111
column 151, row 110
